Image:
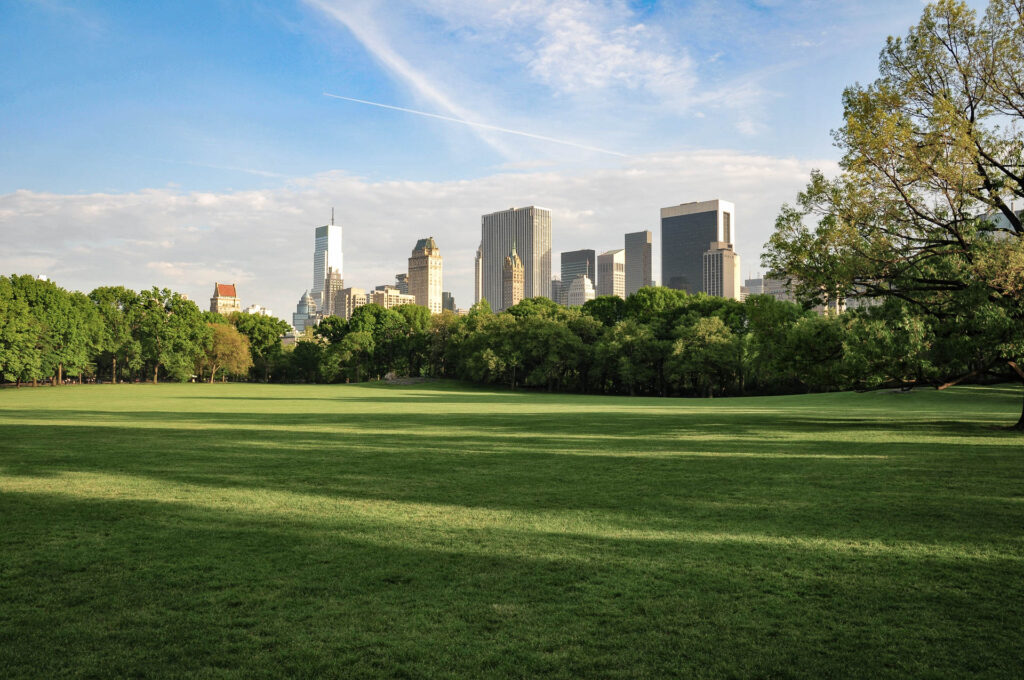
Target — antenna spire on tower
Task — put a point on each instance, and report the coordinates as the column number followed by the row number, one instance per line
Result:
column 332, row 216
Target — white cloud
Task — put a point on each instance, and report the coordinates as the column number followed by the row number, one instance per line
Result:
column 262, row 239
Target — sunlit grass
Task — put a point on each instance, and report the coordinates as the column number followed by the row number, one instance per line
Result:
column 253, row 530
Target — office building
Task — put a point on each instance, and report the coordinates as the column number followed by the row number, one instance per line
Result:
column 556, row 291
column 574, row 263
column 402, row 282
column 425, row 275
column 447, row 301
column 512, row 280
column 687, row 231
column 326, row 256
column 332, row 284
column 579, row 291
column 611, row 273
column 721, row 275
column 638, row 261
column 305, row 312
column 529, row 230
column 225, row 299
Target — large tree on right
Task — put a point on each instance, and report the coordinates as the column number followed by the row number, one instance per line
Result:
column 927, row 207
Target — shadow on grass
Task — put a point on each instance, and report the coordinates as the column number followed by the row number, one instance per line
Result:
column 133, row 588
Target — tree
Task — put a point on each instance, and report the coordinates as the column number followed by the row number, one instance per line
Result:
column 20, row 358
column 228, row 351
column 608, row 309
column 172, row 332
column 264, row 335
column 117, row 307
column 933, row 159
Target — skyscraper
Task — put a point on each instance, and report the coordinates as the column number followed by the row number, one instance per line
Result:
column 326, row 255
column 478, row 274
column 332, row 284
column 611, row 273
column 512, row 280
column 425, row 274
column 579, row 291
column 638, row 261
column 722, row 271
column 402, row 282
column 529, row 230
column 575, row 262
column 687, row 231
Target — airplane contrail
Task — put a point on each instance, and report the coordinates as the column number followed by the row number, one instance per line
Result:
column 485, row 126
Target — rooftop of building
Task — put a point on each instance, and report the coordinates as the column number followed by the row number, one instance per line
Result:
column 224, row 290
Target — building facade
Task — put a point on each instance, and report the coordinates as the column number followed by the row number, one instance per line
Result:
column 389, row 296
column 225, row 299
column 512, row 280
column 573, row 263
column 611, row 273
column 347, row 300
column 305, row 312
column 332, row 284
column 579, row 291
column 721, row 275
column 447, row 301
column 687, row 231
column 478, row 274
column 425, row 274
column 638, row 261
column 259, row 309
column 556, row 291
column 529, row 231
column 326, row 255
column 402, row 282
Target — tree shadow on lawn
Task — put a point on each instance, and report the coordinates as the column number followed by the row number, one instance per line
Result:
column 133, row 588
column 872, row 491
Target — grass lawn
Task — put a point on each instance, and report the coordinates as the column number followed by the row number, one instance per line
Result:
column 438, row 530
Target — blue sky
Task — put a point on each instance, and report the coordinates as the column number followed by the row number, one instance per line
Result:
column 170, row 143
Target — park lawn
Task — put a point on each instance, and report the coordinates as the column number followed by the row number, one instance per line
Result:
column 439, row 530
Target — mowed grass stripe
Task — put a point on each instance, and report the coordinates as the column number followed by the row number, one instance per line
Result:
column 444, row 531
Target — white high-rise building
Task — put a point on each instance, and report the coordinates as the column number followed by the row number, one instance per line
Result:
column 528, row 231
column 611, row 273
column 722, row 271
column 580, row 290
column 326, row 256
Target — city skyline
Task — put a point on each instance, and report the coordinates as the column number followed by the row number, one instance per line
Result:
column 184, row 159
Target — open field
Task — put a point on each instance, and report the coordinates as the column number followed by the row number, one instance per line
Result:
column 437, row 530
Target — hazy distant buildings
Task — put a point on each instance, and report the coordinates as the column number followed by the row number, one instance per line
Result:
column 305, row 312
column 722, row 271
column 638, row 261
column 687, row 231
column 447, row 301
column 425, row 274
column 576, row 262
column 529, row 231
column 512, row 280
column 556, row 291
column 347, row 300
column 402, row 282
column 326, row 255
column 225, row 299
column 259, row 309
column 579, row 291
column 389, row 296
column 332, row 284
column 478, row 274
column 611, row 273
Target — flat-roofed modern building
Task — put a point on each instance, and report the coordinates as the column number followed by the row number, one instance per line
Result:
column 424, row 280
column 611, row 273
column 687, row 231
column 638, row 261
column 579, row 291
column 347, row 300
column 326, row 255
column 388, row 296
column 529, row 231
column 722, row 271
column 574, row 263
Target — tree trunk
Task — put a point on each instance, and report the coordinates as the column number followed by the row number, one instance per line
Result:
column 213, row 372
column 113, row 370
column 17, row 384
column 60, row 374
column 156, row 368
column 1020, row 423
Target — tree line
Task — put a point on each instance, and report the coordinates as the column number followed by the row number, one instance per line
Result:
column 53, row 335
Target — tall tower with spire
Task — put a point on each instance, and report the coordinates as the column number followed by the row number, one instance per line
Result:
column 512, row 279
column 326, row 256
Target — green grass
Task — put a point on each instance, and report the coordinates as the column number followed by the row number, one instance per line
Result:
column 262, row 531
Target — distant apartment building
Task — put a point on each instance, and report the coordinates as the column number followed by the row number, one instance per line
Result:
column 580, row 290
column 389, row 296
column 305, row 313
column 402, row 282
column 529, row 231
column 556, row 291
column 687, row 231
column 512, row 280
column 721, row 271
column 326, row 256
column 259, row 309
column 574, row 263
column 447, row 301
column 347, row 300
column 225, row 299
column 332, row 284
column 611, row 273
column 425, row 274
column 638, row 261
